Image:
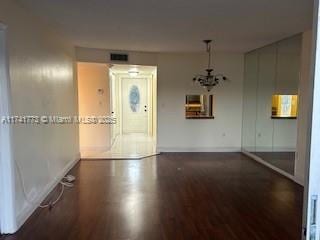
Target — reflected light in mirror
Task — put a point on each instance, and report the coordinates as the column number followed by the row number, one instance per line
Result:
column 284, row 106
column 199, row 106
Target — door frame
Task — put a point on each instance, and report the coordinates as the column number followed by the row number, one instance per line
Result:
column 112, row 92
column 312, row 173
column 8, row 222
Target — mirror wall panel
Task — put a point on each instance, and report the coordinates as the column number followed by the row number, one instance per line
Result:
column 271, row 77
column 288, row 65
column 250, row 102
column 287, row 83
column 266, row 85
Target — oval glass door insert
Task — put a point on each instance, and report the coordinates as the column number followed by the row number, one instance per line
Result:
column 134, row 98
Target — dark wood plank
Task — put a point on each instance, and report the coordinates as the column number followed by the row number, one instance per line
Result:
column 173, row 196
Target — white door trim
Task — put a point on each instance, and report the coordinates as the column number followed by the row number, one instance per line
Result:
column 312, row 173
column 7, row 177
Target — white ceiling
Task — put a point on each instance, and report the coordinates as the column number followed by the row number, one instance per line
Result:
column 175, row 25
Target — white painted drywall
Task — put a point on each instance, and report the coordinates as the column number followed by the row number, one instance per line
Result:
column 175, row 133
column 115, row 104
column 103, row 56
column 42, row 83
column 91, row 78
column 305, row 103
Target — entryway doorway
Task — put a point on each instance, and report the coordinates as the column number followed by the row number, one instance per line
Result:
column 128, row 94
column 133, row 104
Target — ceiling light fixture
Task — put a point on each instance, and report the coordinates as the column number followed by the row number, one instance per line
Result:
column 133, row 72
column 209, row 80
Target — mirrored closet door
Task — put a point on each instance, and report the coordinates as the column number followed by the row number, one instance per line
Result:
column 270, row 104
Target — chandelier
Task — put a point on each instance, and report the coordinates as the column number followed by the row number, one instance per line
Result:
column 209, row 80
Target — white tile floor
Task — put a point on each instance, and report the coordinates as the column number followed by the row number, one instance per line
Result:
column 129, row 146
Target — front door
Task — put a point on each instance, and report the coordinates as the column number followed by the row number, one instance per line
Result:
column 134, row 105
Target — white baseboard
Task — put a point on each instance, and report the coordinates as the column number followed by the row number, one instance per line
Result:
column 198, row 149
column 269, row 149
column 78, row 156
column 27, row 211
column 300, row 179
column 278, row 170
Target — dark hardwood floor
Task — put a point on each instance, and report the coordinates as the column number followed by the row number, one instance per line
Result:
column 173, row 196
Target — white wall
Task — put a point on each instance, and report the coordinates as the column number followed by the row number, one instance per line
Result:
column 154, row 104
column 175, row 133
column 42, row 83
column 91, row 77
column 103, row 56
column 115, row 105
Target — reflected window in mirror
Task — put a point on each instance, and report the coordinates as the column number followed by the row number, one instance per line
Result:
column 284, row 106
column 199, row 107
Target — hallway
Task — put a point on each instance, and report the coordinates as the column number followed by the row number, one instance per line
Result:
column 177, row 196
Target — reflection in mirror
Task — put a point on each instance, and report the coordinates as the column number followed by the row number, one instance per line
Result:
column 199, row 106
column 284, row 106
column 270, row 103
